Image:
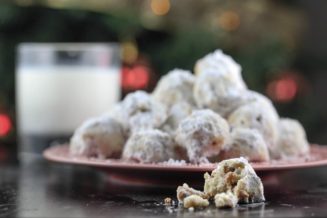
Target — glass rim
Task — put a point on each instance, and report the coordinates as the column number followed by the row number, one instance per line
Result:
column 66, row 46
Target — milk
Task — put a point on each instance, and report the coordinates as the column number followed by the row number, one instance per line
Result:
column 57, row 100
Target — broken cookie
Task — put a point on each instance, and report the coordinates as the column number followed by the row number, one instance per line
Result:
column 235, row 175
column 185, row 191
column 233, row 181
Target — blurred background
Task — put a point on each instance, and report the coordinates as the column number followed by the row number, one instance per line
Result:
column 280, row 45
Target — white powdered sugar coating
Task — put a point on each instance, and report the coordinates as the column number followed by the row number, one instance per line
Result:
column 116, row 112
column 203, row 134
column 247, row 143
column 174, row 162
column 100, row 137
column 259, row 116
column 140, row 111
column 292, row 140
column 250, row 96
column 149, row 146
column 223, row 65
column 219, row 85
column 213, row 91
column 175, row 87
column 176, row 114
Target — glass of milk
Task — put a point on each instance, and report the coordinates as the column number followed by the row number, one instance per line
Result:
column 59, row 85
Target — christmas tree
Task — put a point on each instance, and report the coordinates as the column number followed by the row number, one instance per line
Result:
column 159, row 35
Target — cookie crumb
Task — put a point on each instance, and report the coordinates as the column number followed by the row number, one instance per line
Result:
column 195, row 201
column 168, row 201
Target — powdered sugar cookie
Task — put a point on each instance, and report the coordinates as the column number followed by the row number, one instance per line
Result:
column 149, row 146
column 98, row 137
column 175, row 87
column 259, row 116
column 292, row 140
column 223, row 65
column 203, row 134
column 247, row 143
column 140, row 111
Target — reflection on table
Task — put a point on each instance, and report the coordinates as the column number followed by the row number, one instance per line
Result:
column 37, row 188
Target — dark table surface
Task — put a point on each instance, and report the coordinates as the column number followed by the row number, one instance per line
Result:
column 37, row 188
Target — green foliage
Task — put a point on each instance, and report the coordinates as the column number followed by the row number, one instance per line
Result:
column 165, row 49
column 180, row 50
column 262, row 61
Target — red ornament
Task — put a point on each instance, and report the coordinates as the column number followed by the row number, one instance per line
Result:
column 5, row 124
column 283, row 89
column 136, row 77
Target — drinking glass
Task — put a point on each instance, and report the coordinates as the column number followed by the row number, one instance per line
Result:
column 59, row 85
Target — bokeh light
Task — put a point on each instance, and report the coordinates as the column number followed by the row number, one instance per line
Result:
column 229, row 20
column 130, row 52
column 5, row 125
column 136, row 77
column 283, row 90
column 160, row 7
column 24, row 2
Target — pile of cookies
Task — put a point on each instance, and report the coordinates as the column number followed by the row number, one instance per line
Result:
column 203, row 117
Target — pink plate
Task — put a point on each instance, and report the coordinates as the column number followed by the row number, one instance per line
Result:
column 173, row 174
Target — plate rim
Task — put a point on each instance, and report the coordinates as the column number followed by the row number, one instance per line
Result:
column 49, row 154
